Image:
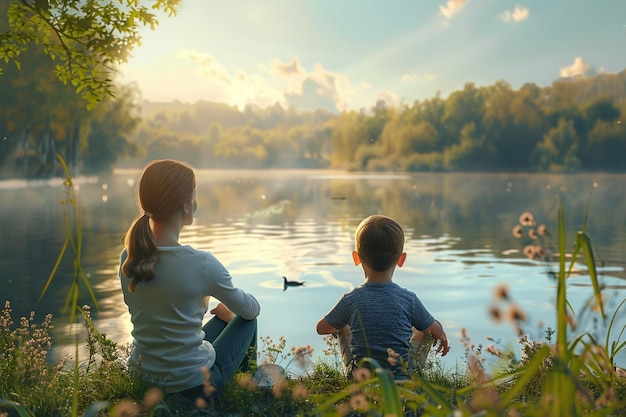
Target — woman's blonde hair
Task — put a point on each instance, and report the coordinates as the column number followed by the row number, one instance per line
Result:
column 165, row 185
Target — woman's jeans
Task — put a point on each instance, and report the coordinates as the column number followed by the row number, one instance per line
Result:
column 235, row 346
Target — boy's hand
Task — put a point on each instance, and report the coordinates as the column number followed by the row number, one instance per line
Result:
column 223, row 313
column 443, row 347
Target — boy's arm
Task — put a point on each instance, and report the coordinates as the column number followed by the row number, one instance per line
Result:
column 437, row 332
column 323, row 327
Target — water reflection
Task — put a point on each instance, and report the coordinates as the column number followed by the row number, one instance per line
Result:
column 263, row 225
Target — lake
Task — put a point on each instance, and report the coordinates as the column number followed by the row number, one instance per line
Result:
column 266, row 224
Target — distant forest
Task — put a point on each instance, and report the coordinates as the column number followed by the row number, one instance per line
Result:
column 569, row 126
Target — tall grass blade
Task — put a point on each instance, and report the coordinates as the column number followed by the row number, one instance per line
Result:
column 54, row 270
column 434, row 393
column 527, row 374
column 76, row 382
column 616, row 346
column 391, row 398
column 561, row 314
column 583, row 241
column 21, row 411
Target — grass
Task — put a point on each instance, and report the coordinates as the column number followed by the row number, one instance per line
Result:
column 565, row 374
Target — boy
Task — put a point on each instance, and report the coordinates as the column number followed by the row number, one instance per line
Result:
column 377, row 319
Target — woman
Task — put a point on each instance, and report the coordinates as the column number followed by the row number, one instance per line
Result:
column 167, row 286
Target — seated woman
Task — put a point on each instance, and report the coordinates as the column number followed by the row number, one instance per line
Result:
column 167, row 286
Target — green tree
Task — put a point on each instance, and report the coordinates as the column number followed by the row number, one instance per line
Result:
column 463, row 108
column 40, row 115
column 471, row 154
column 85, row 40
column 281, row 150
column 511, row 125
column 348, row 134
column 112, row 121
column 607, row 146
column 558, row 150
column 432, row 111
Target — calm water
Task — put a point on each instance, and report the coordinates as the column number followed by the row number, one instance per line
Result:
column 265, row 224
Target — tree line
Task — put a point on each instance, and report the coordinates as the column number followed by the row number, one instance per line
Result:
column 569, row 126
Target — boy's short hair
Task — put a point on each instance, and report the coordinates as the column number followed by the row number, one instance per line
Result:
column 379, row 241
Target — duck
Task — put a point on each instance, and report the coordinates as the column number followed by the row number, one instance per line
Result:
column 287, row 283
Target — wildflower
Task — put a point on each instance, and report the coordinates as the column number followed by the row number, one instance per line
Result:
column 529, row 251
column 501, row 292
column 392, row 357
column 343, row 409
column 495, row 313
column 359, row 402
column 246, row 381
column 152, row 397
column 201, row 403
column 539, row 252
column 527, row 219
column 300, row 392
column 279, row 387
column 518, row 231
column 208, row 387
column 301, row 354
column 125, row 408
column 515, row 313
column 532, row 234
column 542, row 230
column 493, row 350
column 361, row 374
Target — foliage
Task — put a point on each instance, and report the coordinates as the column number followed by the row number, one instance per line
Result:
column 493, row 128
column 72, row 216
column 86, row 40
column 40, row 117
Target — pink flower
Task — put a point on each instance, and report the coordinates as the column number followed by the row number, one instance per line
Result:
column 529, row 251
column 527, row 219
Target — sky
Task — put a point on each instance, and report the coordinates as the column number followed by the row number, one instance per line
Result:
column 347, row 54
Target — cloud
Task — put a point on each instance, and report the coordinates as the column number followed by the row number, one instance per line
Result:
column 293, row 68
column 286, row 83
column 518, row 14
column 235, row 87
column 387, row 97
column 208, row 66
column 580, row 68
column 452, row 7
column 191, row 75
column 321, row 88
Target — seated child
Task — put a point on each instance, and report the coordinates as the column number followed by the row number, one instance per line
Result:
column 379, row 319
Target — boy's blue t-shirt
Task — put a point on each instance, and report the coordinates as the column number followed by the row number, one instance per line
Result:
column 381, row 316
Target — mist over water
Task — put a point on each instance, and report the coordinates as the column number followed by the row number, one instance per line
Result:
column 300, row 224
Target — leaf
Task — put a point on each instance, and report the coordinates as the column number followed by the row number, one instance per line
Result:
column 54, row 269
column 19, row 409
column 527, row 374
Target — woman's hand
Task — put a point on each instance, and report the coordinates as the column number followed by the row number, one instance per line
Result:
column 223, row 313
